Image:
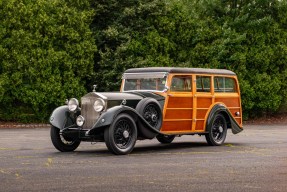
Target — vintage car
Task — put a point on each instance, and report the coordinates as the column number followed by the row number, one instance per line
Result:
column 156, row 102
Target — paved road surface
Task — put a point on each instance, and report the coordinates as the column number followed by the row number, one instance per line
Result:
column 254, row 160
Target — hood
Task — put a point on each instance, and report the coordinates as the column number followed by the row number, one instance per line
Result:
column 116, row 98
column 120, row 96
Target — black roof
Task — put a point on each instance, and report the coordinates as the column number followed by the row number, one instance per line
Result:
column 181, row 70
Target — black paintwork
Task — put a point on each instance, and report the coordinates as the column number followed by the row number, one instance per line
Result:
column 132, row 98
column 231, row 122
column 113, row 112
column 62, row 118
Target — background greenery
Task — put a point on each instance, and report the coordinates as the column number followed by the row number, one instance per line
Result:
column 57, row 49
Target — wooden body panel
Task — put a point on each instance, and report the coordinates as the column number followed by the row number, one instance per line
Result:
column 232, row 102
column 186, row 113
column 178, row 113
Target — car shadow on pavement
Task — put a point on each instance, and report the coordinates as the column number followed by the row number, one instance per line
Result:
column 172, row 147
column 158, row 148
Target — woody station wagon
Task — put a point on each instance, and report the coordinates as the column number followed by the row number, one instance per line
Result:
column 157, row 102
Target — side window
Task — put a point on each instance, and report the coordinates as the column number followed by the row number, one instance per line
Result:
column 181, row 84
column 203, row 84
column 224, row 84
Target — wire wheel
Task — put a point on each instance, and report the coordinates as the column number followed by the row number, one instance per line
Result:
column 151, row 114
column 218, row 131
column 63, row 143
column 121, row 136
column 123, row 133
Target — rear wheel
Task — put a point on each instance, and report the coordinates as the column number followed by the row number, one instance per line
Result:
column 217, row 131
column 165, row 138
column 61, row 142
column 121, row 136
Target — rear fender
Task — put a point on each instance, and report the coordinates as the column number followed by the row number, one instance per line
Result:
column 231, row 122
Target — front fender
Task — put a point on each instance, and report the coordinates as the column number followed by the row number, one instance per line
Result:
column 108, row 117
column 60, row 117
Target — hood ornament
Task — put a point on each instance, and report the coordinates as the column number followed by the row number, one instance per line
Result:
column 94, row 88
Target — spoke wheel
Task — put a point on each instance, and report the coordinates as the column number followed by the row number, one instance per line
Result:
column 217, row 131
column 151, row 112
column 61, row 142
column 121, row 136
column 165, row 138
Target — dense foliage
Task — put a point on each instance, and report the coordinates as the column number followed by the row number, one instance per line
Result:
column 46, row 55
column 52, row 50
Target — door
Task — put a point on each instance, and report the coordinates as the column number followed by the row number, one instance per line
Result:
column 178, row 111
column 202, row 101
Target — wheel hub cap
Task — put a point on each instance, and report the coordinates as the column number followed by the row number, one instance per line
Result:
column 126, row 134
column 153, row 117
column 220, row 128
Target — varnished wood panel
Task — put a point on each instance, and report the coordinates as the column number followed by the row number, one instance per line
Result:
column 178, row 114
column 229, row 102
column 176, row 126
column 201, row 113
column 233, row 111
column 180, row 102
column 203, row 102
column 199, row 125
column 239, row 121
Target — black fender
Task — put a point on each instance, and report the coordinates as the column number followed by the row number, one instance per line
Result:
column 107, row 118
column 231, row 122
column 147, row 133
column 61, row 118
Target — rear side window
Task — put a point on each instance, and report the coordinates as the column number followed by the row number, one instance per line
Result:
column 202, row 84
column 224, row 84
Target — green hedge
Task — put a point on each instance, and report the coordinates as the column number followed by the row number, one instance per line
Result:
column 46, row 56
column 53, row 50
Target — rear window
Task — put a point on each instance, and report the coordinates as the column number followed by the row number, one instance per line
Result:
column 224, row 84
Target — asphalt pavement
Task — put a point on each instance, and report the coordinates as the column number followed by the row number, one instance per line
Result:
column 253, row 160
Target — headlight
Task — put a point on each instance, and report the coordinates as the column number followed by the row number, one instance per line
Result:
column 80, row 120
column 99, row 105
column 73, row 104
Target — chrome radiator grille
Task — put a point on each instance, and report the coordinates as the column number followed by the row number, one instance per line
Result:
column 88, row 112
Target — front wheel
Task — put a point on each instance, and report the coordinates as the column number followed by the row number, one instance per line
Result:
column 165, row 138
column 121, row 136
column 61, row 142
column 217, row 131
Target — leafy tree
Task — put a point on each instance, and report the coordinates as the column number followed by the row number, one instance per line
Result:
column 128, row 35
column 251, row 40
column 46, row 55
column 246, row 36
column 54, row 50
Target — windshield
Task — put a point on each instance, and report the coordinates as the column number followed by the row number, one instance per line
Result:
column 144, row 81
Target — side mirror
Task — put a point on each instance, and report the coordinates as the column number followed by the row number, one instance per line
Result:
column 166, row 88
